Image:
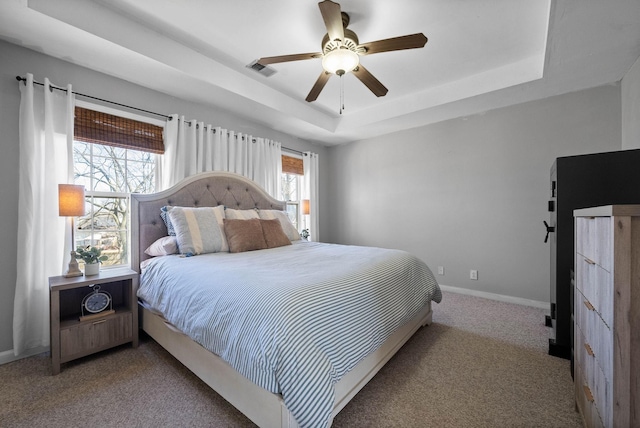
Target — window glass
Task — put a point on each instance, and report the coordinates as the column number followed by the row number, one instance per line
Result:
column 110, row 174
column 293, row 213
column 105, row 226
column 290, row 187
column 290, row 194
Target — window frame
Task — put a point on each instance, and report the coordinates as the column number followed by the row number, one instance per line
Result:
column 296, row 203
column 89, row 193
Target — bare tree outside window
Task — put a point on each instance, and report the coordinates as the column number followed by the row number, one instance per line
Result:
column 109, row 175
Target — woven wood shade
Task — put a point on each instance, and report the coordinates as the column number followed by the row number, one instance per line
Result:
column 101, row 128
column 291, row 165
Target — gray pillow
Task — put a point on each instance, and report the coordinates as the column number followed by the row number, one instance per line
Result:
column 241, row 214
column 282, row 216
column 198, row 229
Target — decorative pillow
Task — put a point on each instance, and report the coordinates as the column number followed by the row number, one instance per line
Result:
column 287, row 226
column 167, row 221
column 244, row 235
column 163, row 247
column 198, row 229
column 274, row 236
column 230, row 213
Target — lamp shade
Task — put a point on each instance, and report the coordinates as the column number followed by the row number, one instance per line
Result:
column 305, row 207
column 70, row 200
column 340, row 61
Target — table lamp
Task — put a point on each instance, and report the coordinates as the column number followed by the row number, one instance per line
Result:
column 71, row 204
column 305, row 212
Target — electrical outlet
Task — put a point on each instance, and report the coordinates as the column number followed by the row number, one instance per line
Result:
column 440, row 270
column 473, row 274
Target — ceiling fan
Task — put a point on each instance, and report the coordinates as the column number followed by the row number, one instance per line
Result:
column 341, row 51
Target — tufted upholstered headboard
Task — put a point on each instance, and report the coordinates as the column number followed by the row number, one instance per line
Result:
column 207, row 189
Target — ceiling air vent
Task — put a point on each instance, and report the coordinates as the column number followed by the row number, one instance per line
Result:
column 265, row 70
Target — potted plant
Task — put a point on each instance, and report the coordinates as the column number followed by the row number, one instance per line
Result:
column 92, row 257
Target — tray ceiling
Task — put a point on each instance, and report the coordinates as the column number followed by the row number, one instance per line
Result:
column 480, row 55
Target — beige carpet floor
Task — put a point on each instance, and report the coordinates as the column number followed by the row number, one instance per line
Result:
column 480, row 364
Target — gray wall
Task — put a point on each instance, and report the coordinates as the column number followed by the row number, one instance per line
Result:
column 631, row 108
column 470, row 193
column 15, row 60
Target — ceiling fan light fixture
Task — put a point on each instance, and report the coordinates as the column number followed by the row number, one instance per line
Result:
column 340, row 61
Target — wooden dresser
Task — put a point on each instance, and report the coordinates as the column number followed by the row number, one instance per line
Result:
column 607, row 315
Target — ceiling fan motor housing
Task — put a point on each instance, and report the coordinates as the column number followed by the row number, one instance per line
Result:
column 350, row 42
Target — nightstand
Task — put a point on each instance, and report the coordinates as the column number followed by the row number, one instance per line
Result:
column 72, row 338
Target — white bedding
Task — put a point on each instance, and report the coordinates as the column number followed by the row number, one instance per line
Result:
column 293, row 319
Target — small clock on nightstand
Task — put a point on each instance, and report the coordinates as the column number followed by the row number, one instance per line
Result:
column 96, row 304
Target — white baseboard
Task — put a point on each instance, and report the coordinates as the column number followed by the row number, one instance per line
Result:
column 499, row 297
column 8, row 357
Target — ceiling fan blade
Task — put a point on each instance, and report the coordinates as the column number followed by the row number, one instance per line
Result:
column 411, row 41
column 318, row 86
column 332, row 17
column 286, row 58
column 370, row 81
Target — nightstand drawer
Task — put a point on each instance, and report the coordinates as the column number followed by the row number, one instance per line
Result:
column 91, row 336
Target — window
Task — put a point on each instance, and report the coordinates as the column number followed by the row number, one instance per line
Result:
column 290, row 186
column 113, row 156
column 292, row 172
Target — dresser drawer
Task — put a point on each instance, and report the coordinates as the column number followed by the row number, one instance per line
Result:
column 586, row 401
column 595, row 333
column 596, row 284
column 593, row 377
column 593, row 240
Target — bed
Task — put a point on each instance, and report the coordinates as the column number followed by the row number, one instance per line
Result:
column 301, row 367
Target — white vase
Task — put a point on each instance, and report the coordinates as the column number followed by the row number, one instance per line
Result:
column 91, row 269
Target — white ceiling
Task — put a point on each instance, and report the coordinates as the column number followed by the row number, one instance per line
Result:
column 481, row 54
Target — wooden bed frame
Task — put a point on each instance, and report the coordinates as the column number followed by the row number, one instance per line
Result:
column 264, row 408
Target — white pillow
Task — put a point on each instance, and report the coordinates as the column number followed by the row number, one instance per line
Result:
column 287, row 226
column 199, row 230
column 163, row 247
column 232, row 214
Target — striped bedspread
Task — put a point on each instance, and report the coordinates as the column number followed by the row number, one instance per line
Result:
column 294, row 319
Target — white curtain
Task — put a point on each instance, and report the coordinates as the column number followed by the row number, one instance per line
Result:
column 46, row 144
column 192, row 147
column 310, row 191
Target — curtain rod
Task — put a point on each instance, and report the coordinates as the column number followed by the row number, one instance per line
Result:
column 298, row 152
column 253, row 140
column 24, row 79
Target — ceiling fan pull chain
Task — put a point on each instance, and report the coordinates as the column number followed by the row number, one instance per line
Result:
column 341, row 94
